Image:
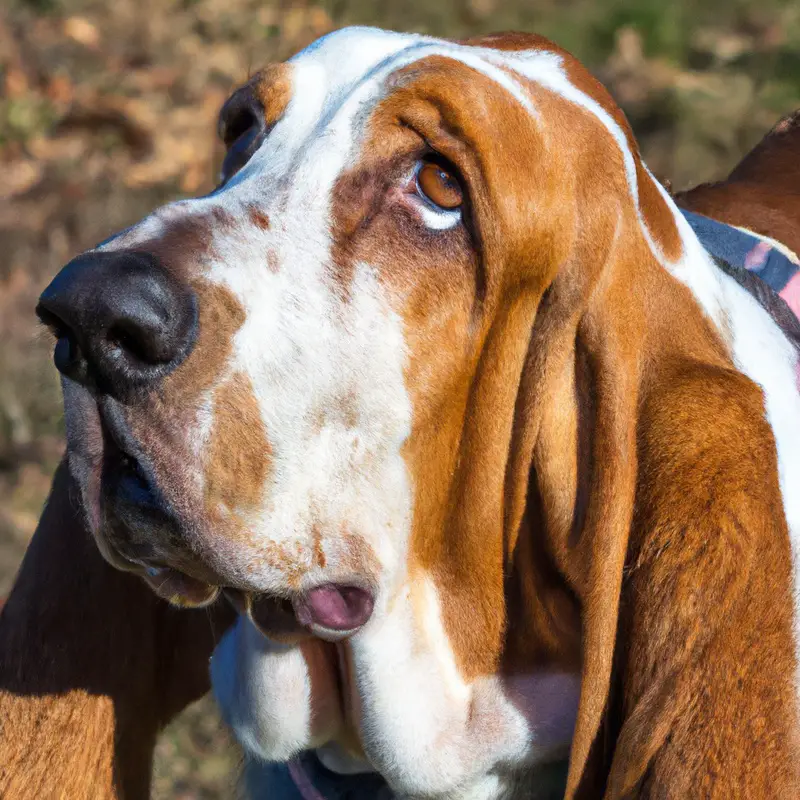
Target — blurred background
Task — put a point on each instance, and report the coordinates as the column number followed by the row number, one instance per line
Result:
column 108, row 108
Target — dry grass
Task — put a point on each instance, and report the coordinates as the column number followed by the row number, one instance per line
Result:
column 108, row 109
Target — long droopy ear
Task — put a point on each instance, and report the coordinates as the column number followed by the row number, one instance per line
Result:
column 609, row 433
column 642, row 464
column 575, row 436
column 704, row 699
column 645, row 463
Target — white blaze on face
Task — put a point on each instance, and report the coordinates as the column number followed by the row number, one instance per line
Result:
column 327, row 369
column 326, row 365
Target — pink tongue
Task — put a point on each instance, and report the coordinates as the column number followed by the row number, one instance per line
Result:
column 339, row 608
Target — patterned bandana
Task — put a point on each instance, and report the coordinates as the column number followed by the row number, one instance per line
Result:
column 773, row 263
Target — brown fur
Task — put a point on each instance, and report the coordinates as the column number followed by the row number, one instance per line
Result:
column 597, row 486
column 92, row 666
column 239, row 452
column 570, row 403
column 273, row 89
column 704, row 697
column 259, row 219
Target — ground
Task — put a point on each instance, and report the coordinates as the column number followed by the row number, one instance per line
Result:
column 108, row 109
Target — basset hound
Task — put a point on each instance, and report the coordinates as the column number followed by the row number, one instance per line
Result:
column 443, row 393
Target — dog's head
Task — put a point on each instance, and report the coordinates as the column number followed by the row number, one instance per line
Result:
column 326, row 385
column 292, row 382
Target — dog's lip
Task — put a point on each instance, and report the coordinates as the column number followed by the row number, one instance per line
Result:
column 119, row 436
column 332, row 635
column 121, row 460
column 179, row 588
column 334, row 611
column 273, row 616
column 291, row 617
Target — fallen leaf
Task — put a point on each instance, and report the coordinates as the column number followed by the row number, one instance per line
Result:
column 18, row 177
column 80, row 30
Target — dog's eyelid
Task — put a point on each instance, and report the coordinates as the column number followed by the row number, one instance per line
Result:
column 240, row 114
column 242, row 128
column 243, row 121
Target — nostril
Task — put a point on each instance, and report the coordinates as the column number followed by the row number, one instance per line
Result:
column 67, row 356
column 121, row 319
column 125, row 340
column 137, row 341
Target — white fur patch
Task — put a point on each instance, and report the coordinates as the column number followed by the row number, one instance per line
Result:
column 427, row 730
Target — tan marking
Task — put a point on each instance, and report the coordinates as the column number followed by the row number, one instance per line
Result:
column 319, row 553
column 172, row 410
column 221, row 314
column 273, row 88
column 444, row 282
column 170, row 413
column 239, row 452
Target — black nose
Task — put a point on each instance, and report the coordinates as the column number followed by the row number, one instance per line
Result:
column 122, row 321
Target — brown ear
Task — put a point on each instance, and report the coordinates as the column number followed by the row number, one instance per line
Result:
column 657, row 495
column 663, row 512
column 704, row 699
column 576, row 429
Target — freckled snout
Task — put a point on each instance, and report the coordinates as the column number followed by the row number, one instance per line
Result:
column 122, row 321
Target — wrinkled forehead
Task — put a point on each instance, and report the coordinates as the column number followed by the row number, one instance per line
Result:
column 330, row 89
column 318, row 106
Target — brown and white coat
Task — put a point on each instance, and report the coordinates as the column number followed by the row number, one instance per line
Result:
column 559, row 448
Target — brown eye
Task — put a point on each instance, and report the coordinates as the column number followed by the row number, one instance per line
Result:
column 438, row 186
